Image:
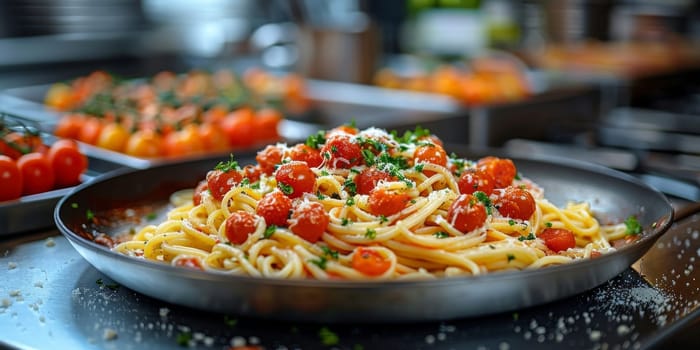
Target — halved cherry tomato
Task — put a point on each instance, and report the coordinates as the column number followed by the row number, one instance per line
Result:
column 466, row 213
column 369, row 262
column 145, row 143
column 113, row 137
column 275, row 207
column 368, row 178
column 341, row 151
column 515, row 203
column 90, row 130
column 295, row 178
column 202, row 187
column 268, row 159
column 502, row 170
column 10, row 179
column 67, row 161
column 558, row 239
column 220, row 182
column 473, row 180
column 309, row 221
column 37, row 174
column 189, row 262
column 386, row 202
column 239, row 226
column 305, row 153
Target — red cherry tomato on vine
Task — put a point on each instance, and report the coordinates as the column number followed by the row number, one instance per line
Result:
column 309, row 221
column 67, row 161
column 37, row 174
column 466, row 213
column 10, row 179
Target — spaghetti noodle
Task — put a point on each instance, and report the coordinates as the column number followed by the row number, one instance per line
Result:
column 353, row 204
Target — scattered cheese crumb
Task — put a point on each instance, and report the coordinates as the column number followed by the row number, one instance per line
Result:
column 11, row 265
column 237, row 341
column 50, row 242
column 595, row 335
column 109, row 334
column 623, row 329
column 163, row 312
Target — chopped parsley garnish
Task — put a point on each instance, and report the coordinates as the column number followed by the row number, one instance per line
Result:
column 324, row 173
column 255, row 185
column 230, row 322
column 350, row 202
column 151, row 216
column 529, row 237
column 334, row 149
column 320, row 195
column 510, row 257
column 485, row 200
column 269, row 231
column 345, row 221
column 183, row 338
column 286, row 189
column 328, row 337
column 441, row 234
column 371, row 234
column 548, row 224
column 74, row 205
column 330, row 252
column 383, row 219
column 327, row 155
column 492, row 246
column 511, row 222
column 89, row 215
column 350, row 186
column 369, row 157
column 320, row 262
column 412, row 136
column 633, row 226
column 518, row 176
column 316, row 140
column 419, row 167
column 245, row 181
column 230, row 165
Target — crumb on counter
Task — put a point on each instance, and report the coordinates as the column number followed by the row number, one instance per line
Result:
column 50, row 242
column 109, row 334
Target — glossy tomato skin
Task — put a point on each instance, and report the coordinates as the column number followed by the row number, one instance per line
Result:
column 341, row 152
column 502, row 170
column 295, row 178
column 202, row 187
column 239, row 127
column 67, row 161
column 430, row 153
column 515, row 203
column 269, row 158
column 219, row 182
column 305, row 153
column 368, row 179
column 239, row 226
column 369, row 262
column 275, row 208
column 145, row 143
column 558, row 239
column 10, row 179
column 466, row 213
column 37, row 174
column 473, row 180
column 309, row 221
column 386, row 202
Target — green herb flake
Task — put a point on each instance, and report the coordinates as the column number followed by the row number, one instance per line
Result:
column 369, row 157
column 510, row 257
column 485, row 200
column 383, row 219
column 529, row 237
column 324, row 173
column 350, row 186
column 151, row 216
column 320, row 262
column 330, row 252
column 89, row 215
column 328, row 337
column 269, row 231
column 74, row 205
column 345, row 221
column 441, row 234
column 230, row 165
column 548, row 224
column 350, row 202
column 511, row 222
column 286, row 189
column 316, row 140
column 518, row 176
column 183, row 338
column 370, row 233
column 633, row 226
column 320, row 195
column 492, row 246
column 419, row 167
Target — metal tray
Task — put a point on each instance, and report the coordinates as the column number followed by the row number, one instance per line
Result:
column 611, row 194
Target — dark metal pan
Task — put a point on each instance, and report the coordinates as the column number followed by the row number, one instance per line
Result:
column 611, row 194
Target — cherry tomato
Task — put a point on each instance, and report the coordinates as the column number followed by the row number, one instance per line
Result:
column 275, row 207
column 90, row 130
column 183, row 142
column 59, row 96
column 67, row 161
column 343, row 129
column 145, row 143
column 69, row 126
column 466, row 213
column 220, row 182
column 558, row 239
column 305, row 153
column 266, row 122
column 341, row 151
column 213, row 138
column 11, row 149
column 502, row 170
column 368, row 178
column 189, row 262
column 515, row 203
column 251, row 172
column 113, row 137
column 15, row 144
column 369, row 262
column 385, row 202
column 309, row 220
column 10, row 179
column 473, row 180
column 431, row 153
column 239, row 127
column 268, row 159
column 239, row 226
column 295, row 178
column 202, row 187
column 37, row 174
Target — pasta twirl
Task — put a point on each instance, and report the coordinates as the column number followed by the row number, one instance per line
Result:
column 351, row 204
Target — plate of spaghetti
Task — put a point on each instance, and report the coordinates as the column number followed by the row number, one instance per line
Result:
column 364, row 225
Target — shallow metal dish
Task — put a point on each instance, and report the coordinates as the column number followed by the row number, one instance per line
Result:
column 612, row 195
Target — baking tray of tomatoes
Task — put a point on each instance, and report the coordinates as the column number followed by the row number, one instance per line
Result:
column 36, row 170
column 167, row 117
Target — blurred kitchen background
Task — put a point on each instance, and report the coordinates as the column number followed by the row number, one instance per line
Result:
column 613, row 81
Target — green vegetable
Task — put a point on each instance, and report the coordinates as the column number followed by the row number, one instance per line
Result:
column 633, row 226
